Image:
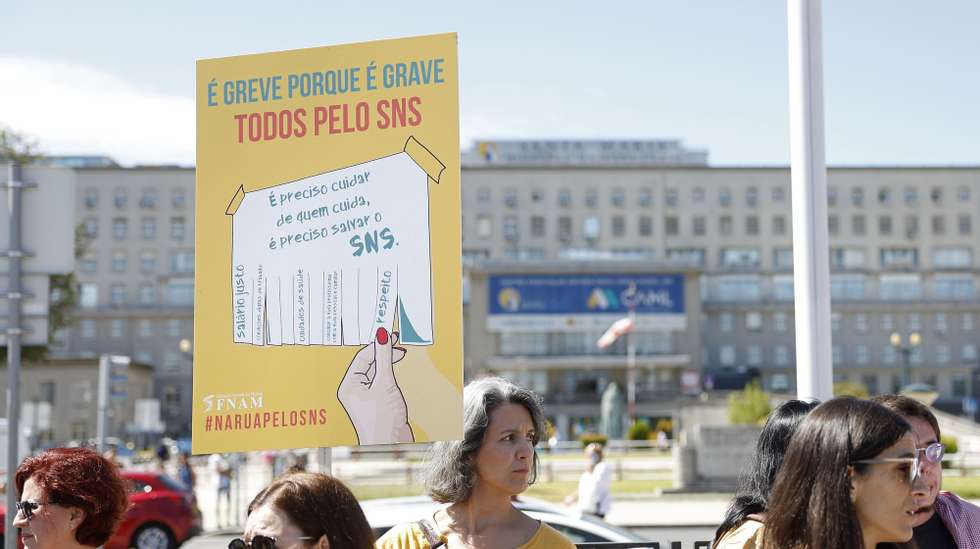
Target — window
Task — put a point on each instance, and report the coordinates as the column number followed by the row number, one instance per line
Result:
column 861, row 323
column 778, row 194
column 942, row 353
column 754, row 355
column 888, row 355
column 171, row 400
column 86, row 327
column 899, row 258
column 963, row 194
column 725, row 225
column 848, row 287
column 752, row 225
column 950, row 286
column 119, row 199
column 739, row 257
column 91, row 199
column 952, row 257
column 698, row 225
column 737, row 288
column 837, row 354
column 753, row 321
column 148, row 262
column 847, row 258
column 117, row 295
column 564, row 198
column 900, row 286
column 618, row 226
column 511, row 228
column 510, row 198
column 670, row 197
column 149, row 228
column 646, row 225
column 89, row 263
column 483, row 195
column 968, row 353
column 940, row 323
column 959, row 385
column 179, row 198
column 779, row 225
column 911, row 196
column 782, row 287
column 182, row 262
column 936, row 195
column 884, row 196
column 118, row 261
column 725, row 197
column 835, row 320
column 537, row 196
column 857, row 196
column 565, row 229
column 646, row 197
column 697, row 195
column 964, row 224
column 591, row 227
column 119, row 228
column 618, row 198
column 537, row 225
column 831, row 195
column 178, row 229
column 914, row 322
column 180, row 292
column 88, row 295
column 116, row 328
column 911, row 226
column 174, row 327
column 779, row 382
column 938, row 225
column 671, row 225
column 148, row 294
column 782, row 258
column 148, row 200
column 887, row 322
column 145, row 328
column 726, row 355
column 885, row 225
column 781, row 355
column 91, row 227
column 833, row 224
column 858, row 227
column 726, row 322
column 861, row 354
column 686, row 256
column 752, row 196
column 484, row 226
column 591, row 198
column 967, row 322
column 780, row 322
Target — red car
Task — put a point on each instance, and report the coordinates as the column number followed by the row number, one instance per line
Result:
column 162, row 514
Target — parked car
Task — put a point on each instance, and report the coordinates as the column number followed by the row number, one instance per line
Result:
column 383, row 514
column 162, row 514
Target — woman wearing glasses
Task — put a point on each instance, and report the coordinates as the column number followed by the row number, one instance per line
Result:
column 305, row 510
column 70, row 498
column 847, row 481
column 480, row 475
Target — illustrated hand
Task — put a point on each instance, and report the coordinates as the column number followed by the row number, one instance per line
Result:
column 371, row 396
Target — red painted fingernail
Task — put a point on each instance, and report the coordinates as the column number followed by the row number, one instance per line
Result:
column 382, row 336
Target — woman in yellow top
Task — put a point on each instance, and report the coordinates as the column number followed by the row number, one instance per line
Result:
column 479, row 475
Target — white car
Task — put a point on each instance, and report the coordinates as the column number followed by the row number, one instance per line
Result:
column 383, row 514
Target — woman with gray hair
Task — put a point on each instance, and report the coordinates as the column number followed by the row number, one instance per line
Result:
column 479, row 475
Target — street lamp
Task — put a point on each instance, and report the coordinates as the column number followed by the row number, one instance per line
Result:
column 914, row 340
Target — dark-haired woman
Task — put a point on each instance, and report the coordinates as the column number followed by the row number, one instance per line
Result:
column 70, row 498
column 479, row 475
column 305, row 510
column 846, row 482
column 742, row 528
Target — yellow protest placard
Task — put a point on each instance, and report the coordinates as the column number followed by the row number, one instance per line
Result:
column 327, row 308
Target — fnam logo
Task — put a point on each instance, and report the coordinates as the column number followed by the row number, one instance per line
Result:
column 233, row 401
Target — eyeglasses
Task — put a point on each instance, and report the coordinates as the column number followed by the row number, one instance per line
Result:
column 27, row 507
column 260, row 542
column 914, row 469
column 934, row 452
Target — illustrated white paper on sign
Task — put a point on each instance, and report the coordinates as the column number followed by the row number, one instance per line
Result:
column 328, row 259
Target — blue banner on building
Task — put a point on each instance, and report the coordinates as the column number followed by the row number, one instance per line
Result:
column 557, row 301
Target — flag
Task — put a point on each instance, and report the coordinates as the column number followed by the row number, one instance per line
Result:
column 620, row 327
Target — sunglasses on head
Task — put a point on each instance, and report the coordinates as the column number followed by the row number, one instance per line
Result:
column 260, row 542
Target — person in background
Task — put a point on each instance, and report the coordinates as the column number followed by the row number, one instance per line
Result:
column 221, row 471
column 185, row 473
column 942, row 519
column 746, row 514
column 847, row 481
column 70, row 498
column 480, row 475
column 594, row 486
column 305, row 510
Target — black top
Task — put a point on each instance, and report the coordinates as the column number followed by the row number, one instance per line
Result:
column 934, row 535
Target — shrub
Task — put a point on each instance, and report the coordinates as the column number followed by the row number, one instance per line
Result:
column 589, row 438
column 750, row 407
column 640, row 430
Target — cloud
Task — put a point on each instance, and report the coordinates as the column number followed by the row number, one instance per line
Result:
column 74, row 109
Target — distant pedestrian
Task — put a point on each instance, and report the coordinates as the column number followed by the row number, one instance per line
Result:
column 594, row 493
column 221, row 471
column 480, row 475
column 310, row 510
column 185, row 473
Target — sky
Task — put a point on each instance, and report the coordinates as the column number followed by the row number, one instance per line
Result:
column 901, row 78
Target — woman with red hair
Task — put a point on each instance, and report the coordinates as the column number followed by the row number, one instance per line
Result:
column 70, row 498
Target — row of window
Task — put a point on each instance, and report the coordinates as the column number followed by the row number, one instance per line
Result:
column 644, row 226
column 147, row 198
column 858, row 322
column 959, row 383
column 861, row 355
column 181, row 262
column 176, row 293
column 580, row 343
column 843, row 287
column 148, row 228
column 146, row 328
column 643, row 197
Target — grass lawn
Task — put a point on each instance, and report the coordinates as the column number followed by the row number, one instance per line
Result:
column 549, row 491
column 965, row 487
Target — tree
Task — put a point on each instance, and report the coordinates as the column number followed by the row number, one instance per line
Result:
column 17, row 147
column 750, row 407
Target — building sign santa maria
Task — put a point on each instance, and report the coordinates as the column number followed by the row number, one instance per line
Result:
column 544, row 303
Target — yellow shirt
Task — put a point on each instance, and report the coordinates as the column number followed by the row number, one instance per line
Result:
column 746, row 536
column 410, row 536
